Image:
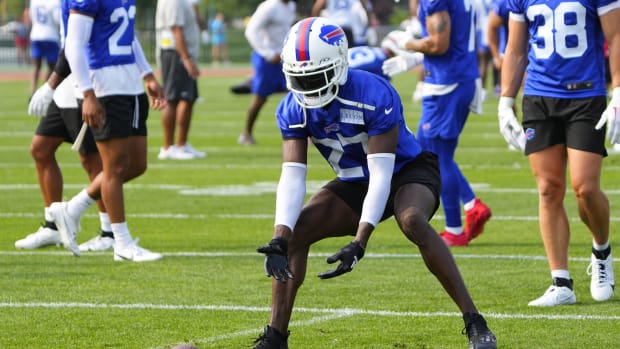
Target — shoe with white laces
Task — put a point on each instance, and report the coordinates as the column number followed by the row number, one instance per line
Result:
column 560, row 293
column 135, row 253
column 197, row 154
column 98, row 243
column 602, row 272
column 68, row 226
column 45, row 236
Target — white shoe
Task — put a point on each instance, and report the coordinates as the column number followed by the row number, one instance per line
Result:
column 246, row 140
column 135, row 253
column 68, row 227
column 602, row 283
column 175, row 153
column 555, row 295
column 197, row 154
column 43, row 237
column 98, row 243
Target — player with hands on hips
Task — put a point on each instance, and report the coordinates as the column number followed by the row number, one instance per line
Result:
column 355, row 120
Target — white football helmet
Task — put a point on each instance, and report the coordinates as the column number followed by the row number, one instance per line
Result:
column 314, row 61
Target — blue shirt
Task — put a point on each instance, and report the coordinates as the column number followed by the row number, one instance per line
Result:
column 368, row 58
column 459, row 63
column 566, row 47
column 340, row 130
column 113, row 31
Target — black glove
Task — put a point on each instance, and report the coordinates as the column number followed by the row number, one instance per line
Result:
column 276, row 259
column 349, row 256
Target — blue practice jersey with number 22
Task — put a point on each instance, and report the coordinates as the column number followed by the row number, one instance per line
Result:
column 566, row 53
column 110, row 43
column 367, row 105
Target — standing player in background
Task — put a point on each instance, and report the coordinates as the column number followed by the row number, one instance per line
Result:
column 61, row 122
column 355, row 120
column 44, row 37
column 451, row 89
column 108, row 65
column 352, row 16
column 265, row 33
column 560, row 44
column 178, row 46
column 497, row 34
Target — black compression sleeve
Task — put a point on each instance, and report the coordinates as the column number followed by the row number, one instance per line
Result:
column 62, row 65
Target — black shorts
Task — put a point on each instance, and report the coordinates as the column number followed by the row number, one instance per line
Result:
column 65, row 123
column 178, row 85
column 424, row 169
column 125, row 116
column 570, row 121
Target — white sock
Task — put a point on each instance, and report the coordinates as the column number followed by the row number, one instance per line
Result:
column 455, row 230
column 48, row 216
column 469, row 205
column 560, row 273
column 122, row 237
column 598, row 247
column 79, row 204
column 104, row 218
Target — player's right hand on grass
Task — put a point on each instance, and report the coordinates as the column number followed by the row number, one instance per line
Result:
column 611, row 117
column 276, row 259
column 40, row 100
column 508, row 124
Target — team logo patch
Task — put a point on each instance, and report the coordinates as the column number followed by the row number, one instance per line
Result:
column 332, row 128
column 530, row 133
column 349, row 116
column 331, row 34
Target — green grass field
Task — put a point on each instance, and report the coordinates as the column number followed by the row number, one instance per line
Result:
column 208, row 216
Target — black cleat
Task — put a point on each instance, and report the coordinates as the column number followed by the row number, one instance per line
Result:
column 271, row 339
column 480, row 337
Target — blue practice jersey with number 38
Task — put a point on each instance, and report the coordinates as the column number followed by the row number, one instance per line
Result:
column 367, row 105
column 566, row 46
column 113, row 31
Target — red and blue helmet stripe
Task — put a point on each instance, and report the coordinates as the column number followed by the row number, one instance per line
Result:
column 330, row 34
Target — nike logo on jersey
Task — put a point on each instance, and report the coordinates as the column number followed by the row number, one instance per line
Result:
column 388, row 110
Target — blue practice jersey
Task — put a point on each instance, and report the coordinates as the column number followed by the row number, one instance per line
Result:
column 566, row 46
column 113, row 31
column 367, row 105
column 459, row 63
column 368, row 58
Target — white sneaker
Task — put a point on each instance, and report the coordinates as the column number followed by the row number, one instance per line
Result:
column 602, row 283
column 43, row 237
column 197, row 154
column 164, row 153
column 135, row 253
column 246, row 140
column 68, row 227
column 555, row 295
column 98, row 243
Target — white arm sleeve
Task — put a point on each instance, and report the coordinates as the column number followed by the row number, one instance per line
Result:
column 291, row 193
column 141, row 62
column 79, row 28
column 381, row 167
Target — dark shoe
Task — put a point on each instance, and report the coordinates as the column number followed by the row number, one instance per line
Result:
column 271, row 339
column 480, row 337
